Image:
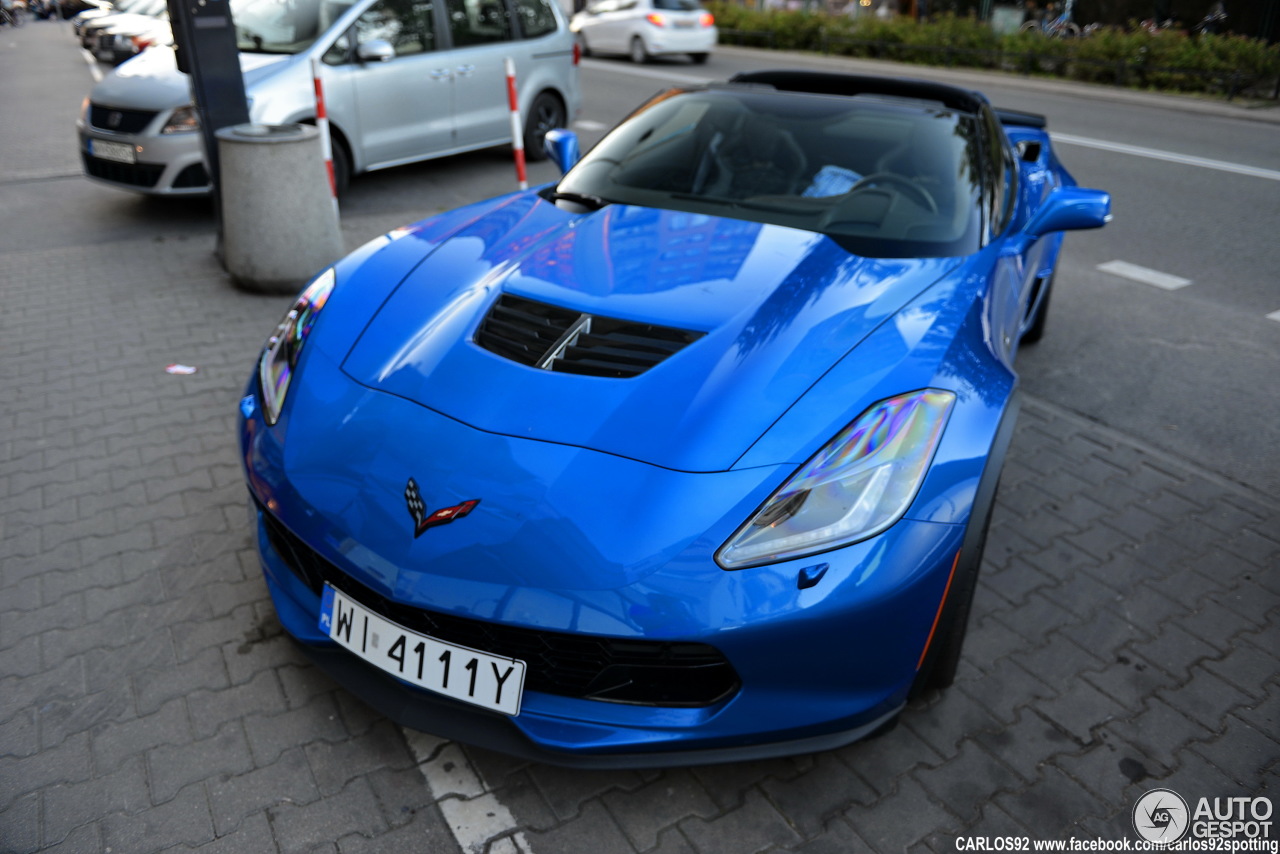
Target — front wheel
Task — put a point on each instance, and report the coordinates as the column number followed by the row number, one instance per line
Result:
column 639, row 53
column 546, row 114
column 938, row 671
column 699, row 58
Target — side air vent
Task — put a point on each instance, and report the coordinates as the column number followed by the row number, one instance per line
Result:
column 557, row 339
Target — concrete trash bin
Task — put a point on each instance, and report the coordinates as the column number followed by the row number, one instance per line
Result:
column 279, row 221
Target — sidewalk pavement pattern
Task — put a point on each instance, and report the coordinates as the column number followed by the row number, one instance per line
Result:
column 1124, row 635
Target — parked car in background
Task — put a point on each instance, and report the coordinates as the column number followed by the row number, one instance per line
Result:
column 127, row 38
column 687, row 458
column 403, row 80
column 95, row 9
column 136, row 12
column 642, row 29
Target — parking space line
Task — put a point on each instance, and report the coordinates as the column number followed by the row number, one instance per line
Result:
column 1147, row 276
column 474, row 814
column 94, row 71
column 1275, row 315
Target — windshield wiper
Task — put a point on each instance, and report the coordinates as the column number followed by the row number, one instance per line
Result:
column 587, row 200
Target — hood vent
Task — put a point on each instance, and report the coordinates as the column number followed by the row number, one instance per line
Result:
column 558, row 339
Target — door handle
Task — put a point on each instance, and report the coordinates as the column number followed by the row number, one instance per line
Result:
column 465, row 70
column 441, row 74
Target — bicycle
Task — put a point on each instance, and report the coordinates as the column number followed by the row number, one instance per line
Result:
column 1060, row 27
column 14, row 16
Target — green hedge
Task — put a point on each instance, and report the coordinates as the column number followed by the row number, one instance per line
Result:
column 1167, row 60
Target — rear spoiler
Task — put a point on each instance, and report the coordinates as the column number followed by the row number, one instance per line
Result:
column 1021, row 119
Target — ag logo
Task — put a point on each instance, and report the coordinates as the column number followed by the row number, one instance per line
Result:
column 1161, row 815
column 422, row 520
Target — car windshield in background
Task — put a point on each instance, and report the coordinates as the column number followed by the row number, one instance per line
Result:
column 677, row 5
column 283, row 26
column 883, row 177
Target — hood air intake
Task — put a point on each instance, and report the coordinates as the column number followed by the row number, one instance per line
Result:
column 558, row 339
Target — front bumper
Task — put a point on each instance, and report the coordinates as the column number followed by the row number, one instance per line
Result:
column 818, row 665
column 165, row 165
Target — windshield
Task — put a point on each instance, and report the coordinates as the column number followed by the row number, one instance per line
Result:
column 883, row 178
column 283, row 26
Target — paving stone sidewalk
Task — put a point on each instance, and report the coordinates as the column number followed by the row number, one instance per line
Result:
column 1124, row 636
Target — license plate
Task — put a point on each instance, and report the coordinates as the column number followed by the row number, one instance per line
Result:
column 685, row 25
column 489, row 681
column 118, row 151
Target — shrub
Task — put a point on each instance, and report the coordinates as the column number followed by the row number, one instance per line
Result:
column 1167, row 59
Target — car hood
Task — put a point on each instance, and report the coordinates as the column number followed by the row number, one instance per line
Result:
column 772, row 310
column 152, row 81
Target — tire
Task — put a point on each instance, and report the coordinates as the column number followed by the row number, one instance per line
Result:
column 699, row 58
column 942, row 656
column 943, row 659
column 546, row 113
column 639, row 53
column 1035, row 330
column 341, row 166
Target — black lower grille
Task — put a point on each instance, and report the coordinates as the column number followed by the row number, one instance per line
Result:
column 642, row 672
column 193, row 176
column 133, row 174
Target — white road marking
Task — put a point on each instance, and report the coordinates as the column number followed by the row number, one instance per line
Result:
column 1168, row 156
column 674, row 76
column 589, row 125
column 94, row 71
column 474, row 814
column 1275, row 315
column 652, row 73
column 1145, row 275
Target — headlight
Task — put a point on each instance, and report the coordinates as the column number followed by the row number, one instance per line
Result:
column 184, row 120
column 858, row 485
column 280, row 356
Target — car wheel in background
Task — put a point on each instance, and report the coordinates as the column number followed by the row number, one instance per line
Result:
column 341, row 166
column 639, row 53
column 699, row 58
column 547, row 113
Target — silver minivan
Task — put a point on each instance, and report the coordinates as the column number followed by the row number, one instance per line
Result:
column 404, row 80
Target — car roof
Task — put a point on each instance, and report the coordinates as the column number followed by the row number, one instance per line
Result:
column 826, row 83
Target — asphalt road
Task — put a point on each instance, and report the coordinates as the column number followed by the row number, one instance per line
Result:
column 1196, row 189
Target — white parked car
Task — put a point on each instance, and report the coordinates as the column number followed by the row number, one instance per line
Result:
column 404, row 80
column 641, row 29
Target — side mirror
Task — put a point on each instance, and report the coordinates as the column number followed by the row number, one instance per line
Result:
column 376, row 50
column 562, row 148
column 1070, row 209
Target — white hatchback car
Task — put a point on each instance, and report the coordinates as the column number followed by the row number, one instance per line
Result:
column 404, row 80
column 644, row 28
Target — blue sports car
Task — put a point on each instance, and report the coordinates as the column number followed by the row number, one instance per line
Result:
column 686, row 458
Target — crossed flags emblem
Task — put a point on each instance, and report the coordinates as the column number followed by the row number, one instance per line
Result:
column 422, row 520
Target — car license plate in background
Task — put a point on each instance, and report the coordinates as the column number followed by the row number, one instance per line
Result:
column 118, row 151
column 475, row 677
